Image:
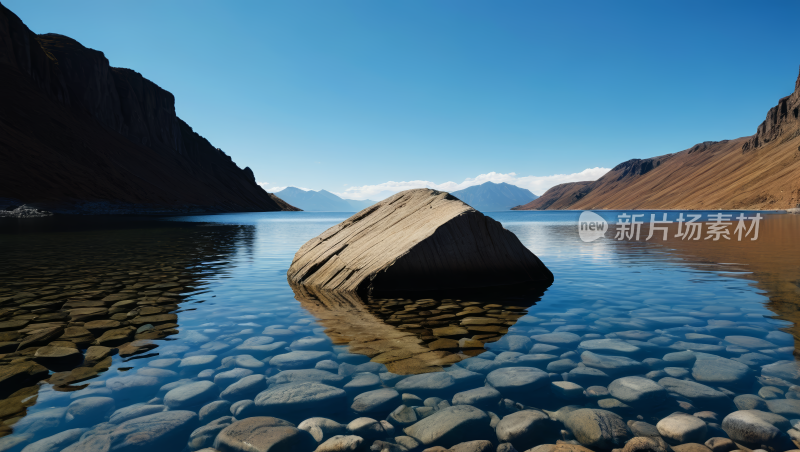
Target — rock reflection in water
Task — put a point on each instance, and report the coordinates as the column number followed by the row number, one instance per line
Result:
column 72, row 301
column 416, row 335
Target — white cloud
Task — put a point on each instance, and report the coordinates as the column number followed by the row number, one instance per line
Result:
column 537, row 184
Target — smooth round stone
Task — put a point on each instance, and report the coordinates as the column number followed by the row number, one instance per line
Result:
column 721, row 371
column 88, row 411
column 543, row 348
column 674, row 320
column 172, row 350
column 598, row 429
column 587, row 376
column 369, row 428
column 214, row 410
column 749, row 342
column 727, row 327
column 162, row 374
column 260, row 346
column 661, row 341
column 170, row 386
column 612, row 365
column 134, row 411
column 613, row 346
column 512, row 381
column 53, row 443
column 508, row 358
column 243, row 361
column 704, row 338
column 700, row 394
column 427, row 385
column 133, row 385
column 770, row 392
column 361, row 382
column 167, row 430
column 480, row 365
column 341, row 443
column 750, row 402
column 164, row 363
column 561, row 339
column 677, row 372
column 321, row 429
column 191, row 394
column 197, row 362
column 638, row 391
column 755, row 428
column 681, row 428
column 301, row 397
column 789, row 408
column 244, row 409
column 524, row 429
column 637, row 335
column 299, row 359
column 246, row 388
column 566, row 390
column 204, row 436
column 483, row 397
column 327, row 364
column 561, row 365
column 402, row 416
column 697, row 347
column 277, row 332
column 195, row 337
column 41, row 421
column 680, row 359
column 263, row 434
column 450, row 426
column 787, row 370
column 465, row 378
column 311, row 343
column 377, row 401
column 654, row 363
column 596, row 392
column 514, row 343
column 540, row 360
column 307, row 375
column 754, row 359
column 227, row 378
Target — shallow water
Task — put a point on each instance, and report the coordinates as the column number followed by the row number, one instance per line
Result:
column 224, row 278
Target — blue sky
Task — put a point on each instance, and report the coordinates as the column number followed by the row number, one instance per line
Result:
column 351, row 95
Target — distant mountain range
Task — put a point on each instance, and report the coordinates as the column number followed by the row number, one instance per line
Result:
column 321, row 201
column 489, row 197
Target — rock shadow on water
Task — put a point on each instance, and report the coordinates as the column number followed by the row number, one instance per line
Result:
column 418, row 332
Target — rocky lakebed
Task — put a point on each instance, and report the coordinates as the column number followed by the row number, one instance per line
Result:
column 185, row 336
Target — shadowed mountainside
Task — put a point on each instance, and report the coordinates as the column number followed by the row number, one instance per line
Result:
column 756, row 172
column 76, row 133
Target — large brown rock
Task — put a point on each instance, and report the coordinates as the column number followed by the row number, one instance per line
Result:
column 416, row 240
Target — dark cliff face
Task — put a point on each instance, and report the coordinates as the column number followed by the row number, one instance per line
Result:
column 782, row 123
column 76, row 129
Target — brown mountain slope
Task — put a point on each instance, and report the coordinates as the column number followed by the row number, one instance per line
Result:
column 77, row 135
column 757, row 172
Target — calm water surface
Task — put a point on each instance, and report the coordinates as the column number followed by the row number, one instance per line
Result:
column 205, row 298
